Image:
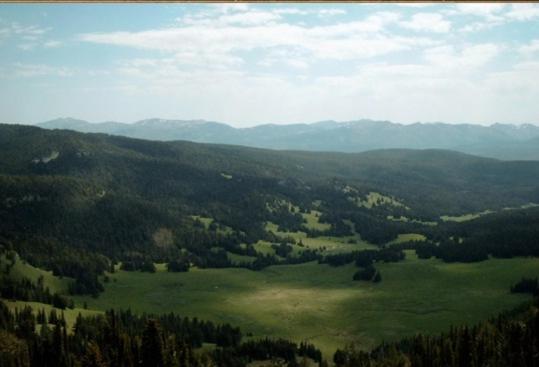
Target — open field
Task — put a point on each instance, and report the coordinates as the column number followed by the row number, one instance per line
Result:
column 405, row 237
column 327, row 244
column 313, row 221
column 411, row 220
column 322, row 304
column 471, row 216
column 464, row 217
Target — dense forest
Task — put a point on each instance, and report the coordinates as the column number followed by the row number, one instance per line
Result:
column 506, row 234
column 125, row 339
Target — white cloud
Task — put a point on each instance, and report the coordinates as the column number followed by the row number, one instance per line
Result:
column 247, row 64
column 52, row 44
column 244, row 18
column 330, row 12
column 488, row 11
column 408, row 92
column 35, row 70
column 479, row 26
column 347, row 40
column 427, row 22
column 473, row 56
column 4, row 33
column 291, row 11
column 27, row 34
column 523, row 12
column 250, row 18
column 229, row 8
column 493, row 15
column 32, row 30
column 415, row 5
column 529, row 48
column 26, row 46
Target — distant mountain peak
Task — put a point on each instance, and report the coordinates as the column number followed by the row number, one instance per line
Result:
column 63, row 122
column 503, row 141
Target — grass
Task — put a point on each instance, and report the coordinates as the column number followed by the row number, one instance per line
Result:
column 406, row 237
column 464, row 217
column 313, row 221
column 22, row 269
column 322, row 304
column 326, row 244
column 411, row 220
column 470, row 216
column 204, row 220
column 207, row 221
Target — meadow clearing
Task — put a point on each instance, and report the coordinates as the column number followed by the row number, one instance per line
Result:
column 322, row 304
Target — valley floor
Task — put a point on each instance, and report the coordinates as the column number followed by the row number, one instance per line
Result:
column 322, row 304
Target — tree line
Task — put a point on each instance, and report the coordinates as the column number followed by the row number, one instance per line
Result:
column 124, row 339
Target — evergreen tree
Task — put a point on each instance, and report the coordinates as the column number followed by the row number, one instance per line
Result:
column 92, row 357
column 152, row 346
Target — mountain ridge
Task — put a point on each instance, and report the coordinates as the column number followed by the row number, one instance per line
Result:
column 501, row 141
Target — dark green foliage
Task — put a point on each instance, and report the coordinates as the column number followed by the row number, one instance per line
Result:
column 125, row 339
column 506, row 234
column 526, row 285
column 137, row 262
column 152, row 348
column 178, row 265
column 282, row 249
column 364, row 258
column 25, row 290
column 368, row 274
column 278, row 348
column 86, row 283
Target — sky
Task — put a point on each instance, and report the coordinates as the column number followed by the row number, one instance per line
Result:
column 248, row 64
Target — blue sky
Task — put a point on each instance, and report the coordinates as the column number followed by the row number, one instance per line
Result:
column 247, row 64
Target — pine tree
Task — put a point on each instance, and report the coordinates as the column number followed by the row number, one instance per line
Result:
column 152, row 346
column 92, row 357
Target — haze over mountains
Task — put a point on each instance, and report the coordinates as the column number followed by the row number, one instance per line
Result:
column 502, row 141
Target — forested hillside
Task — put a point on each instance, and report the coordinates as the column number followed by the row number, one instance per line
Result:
column 75, row 203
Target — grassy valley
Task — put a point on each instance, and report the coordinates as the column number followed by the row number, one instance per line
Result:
column 322, row 304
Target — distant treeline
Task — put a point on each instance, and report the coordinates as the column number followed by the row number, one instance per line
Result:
column 506, row 234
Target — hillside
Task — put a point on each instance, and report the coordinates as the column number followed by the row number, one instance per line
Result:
column 502, row 141
column 81, row 196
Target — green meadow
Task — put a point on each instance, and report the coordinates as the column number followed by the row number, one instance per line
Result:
column 22, row 269
column 322, row 304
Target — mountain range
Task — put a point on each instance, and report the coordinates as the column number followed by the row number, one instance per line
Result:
column 501, row 141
